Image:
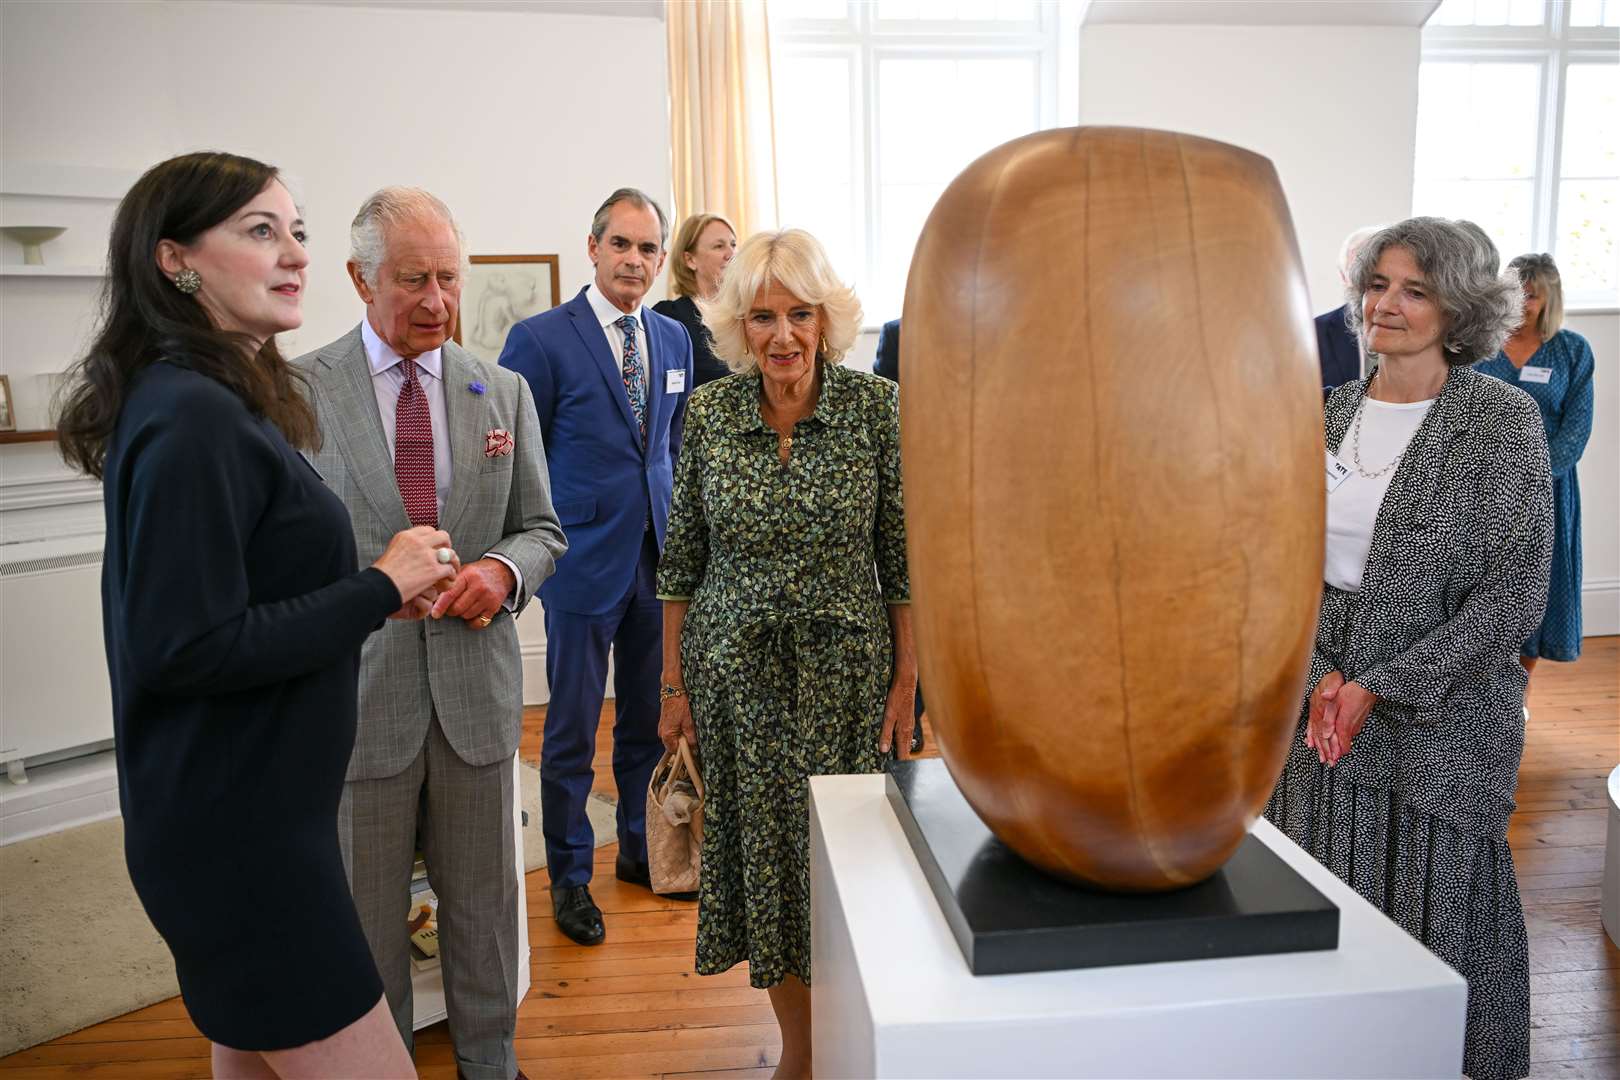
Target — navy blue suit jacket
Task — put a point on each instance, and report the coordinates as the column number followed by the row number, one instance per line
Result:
column 604, row 484
column 887, row 363
column 1337, row 350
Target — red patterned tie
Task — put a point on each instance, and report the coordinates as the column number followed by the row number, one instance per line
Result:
column 413, row 450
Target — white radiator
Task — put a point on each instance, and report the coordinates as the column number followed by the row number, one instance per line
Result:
column 54, row 693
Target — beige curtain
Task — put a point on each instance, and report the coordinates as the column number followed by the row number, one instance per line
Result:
column 722, row 138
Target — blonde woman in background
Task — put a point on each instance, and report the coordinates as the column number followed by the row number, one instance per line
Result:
column 1554, row 366
column 704, row 245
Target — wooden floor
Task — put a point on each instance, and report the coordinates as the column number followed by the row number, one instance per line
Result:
column 633, row 1007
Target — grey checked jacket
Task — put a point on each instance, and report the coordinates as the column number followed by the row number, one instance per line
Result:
column 473, row 679
column 1455, row 581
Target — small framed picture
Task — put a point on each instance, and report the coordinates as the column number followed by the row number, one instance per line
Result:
column 502, row 291
column 8, row 413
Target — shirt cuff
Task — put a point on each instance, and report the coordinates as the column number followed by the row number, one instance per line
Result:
column 511, row 601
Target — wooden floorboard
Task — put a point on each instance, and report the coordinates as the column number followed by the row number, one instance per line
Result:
column 634, row 1007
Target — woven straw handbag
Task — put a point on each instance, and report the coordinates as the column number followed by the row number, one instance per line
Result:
column 675, row 823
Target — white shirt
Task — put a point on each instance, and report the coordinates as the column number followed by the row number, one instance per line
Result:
column 387, row 378
column 1352, row 507
column 609, row 317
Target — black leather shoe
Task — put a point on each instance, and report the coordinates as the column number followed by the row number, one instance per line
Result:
column 577, row 914
column 625, row 869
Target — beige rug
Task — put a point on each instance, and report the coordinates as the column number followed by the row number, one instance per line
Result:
column 76, row 947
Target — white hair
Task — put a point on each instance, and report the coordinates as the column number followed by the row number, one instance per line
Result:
column 1352, row 243
column 386, row 208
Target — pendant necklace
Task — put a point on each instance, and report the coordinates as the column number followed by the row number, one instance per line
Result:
column 1355, row 441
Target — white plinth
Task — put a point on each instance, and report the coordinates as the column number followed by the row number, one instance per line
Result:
column 1611, row 862
column 892, row 996
column 427, row 987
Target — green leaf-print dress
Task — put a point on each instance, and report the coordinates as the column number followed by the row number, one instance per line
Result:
column 786, row 647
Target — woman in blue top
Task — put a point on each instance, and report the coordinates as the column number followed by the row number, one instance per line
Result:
column 1554, row 366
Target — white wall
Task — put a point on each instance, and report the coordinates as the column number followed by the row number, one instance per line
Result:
column 521, row 120
column 1333, row 107
column 1599, row 473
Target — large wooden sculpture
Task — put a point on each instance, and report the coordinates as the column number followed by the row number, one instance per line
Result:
column 1112, row 442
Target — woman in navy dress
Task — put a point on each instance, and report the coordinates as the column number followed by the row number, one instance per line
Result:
column 234, row 614
column 1554, row 366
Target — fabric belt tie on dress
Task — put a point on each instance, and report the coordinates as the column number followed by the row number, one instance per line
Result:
column 783, row 635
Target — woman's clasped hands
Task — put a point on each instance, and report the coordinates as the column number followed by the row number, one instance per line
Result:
column 1338, row 711
column 420, row 562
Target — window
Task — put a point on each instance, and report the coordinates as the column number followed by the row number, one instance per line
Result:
column 1519, row 130
column 879, row 105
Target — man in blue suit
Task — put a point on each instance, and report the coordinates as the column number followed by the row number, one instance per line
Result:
column 1337, row 349
column 610, row 379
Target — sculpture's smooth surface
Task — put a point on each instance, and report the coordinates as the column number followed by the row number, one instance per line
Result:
column 1112, row 439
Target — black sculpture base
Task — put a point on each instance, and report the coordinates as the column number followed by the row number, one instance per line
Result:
column 1010, row 917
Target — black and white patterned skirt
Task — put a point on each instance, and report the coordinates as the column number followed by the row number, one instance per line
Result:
column 1452, row 890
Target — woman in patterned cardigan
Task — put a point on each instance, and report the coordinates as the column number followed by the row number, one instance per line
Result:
column 1439, row 537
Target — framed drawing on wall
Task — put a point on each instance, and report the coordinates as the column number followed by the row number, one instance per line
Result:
column 502, row 291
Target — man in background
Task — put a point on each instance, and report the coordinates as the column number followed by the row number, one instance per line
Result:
column 610, row 379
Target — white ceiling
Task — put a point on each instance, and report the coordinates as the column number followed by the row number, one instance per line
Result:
column 640, row 9
column 1261, row 12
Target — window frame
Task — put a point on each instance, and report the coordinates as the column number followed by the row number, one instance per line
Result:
column 865, row 41
column 1553, row 46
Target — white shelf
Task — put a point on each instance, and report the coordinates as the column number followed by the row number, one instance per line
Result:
column 22, row 270
column 55, row 181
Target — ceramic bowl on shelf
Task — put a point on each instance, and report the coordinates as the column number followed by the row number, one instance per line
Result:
column 31, row 237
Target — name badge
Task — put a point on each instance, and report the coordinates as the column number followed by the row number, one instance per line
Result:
column 1337, row 472
column 675, row 381
column 1535, row 374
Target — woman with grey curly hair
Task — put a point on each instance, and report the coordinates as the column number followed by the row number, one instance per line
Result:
column 1439, row 536
column 787, row 625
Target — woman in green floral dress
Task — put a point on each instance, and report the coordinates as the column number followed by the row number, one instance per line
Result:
column 787, row 635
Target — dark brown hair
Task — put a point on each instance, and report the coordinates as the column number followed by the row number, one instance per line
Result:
column 144, row 318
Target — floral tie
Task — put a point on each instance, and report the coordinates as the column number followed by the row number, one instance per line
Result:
column 634, row 385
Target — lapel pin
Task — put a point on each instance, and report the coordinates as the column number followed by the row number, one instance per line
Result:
column 476, row 387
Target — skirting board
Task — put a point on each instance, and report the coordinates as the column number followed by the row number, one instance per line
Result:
column 1600, row 607
column 59, row 796
column 536, row 691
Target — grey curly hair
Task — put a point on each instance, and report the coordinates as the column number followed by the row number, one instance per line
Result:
column 1481, row 307
column 386, row 208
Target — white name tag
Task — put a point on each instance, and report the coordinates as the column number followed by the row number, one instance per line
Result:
column 675, row 381
column 1535, row 374
column 1337, row 472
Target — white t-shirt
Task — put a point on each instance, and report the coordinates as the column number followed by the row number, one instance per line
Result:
column 1352, row 507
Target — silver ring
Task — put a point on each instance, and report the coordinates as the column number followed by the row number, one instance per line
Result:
column 445, row 555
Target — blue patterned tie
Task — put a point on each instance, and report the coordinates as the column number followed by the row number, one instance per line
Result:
column 634, row 385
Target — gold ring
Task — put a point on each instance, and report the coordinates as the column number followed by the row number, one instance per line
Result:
column 485, row 620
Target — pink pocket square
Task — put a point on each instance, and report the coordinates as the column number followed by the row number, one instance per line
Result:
column 498, row 443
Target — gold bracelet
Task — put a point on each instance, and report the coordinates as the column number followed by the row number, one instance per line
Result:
column 668, row 691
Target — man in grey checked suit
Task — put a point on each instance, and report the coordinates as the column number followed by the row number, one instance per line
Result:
column 413, row 426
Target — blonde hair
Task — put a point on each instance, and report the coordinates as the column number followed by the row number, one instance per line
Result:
column 1540, row 275
column 795, row 260
column 682, row 278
